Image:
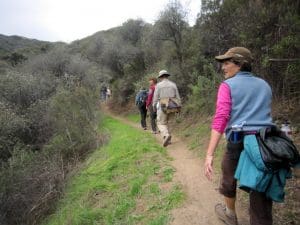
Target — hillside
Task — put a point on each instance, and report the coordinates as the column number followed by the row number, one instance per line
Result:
column 15, row 43
column 16, row 49
column 49, row 92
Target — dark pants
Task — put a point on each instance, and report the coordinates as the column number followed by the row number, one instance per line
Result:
column 260, row 206
column 153, row 116
column 143, row 112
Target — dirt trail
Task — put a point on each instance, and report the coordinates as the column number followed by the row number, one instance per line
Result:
column 201, row 194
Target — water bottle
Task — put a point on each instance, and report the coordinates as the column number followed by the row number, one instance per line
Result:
column 285, row 127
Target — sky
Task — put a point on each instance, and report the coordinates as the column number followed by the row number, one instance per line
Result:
column 69, row 20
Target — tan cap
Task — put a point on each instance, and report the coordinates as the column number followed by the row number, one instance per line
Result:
column 163, row 72
column 237, row 53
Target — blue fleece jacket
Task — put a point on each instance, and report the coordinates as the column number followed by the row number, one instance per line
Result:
column 253, row 174
column 251, row 99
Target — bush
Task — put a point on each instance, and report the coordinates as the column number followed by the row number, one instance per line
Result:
column 203, row 93
column 12, row 127
column 73, row 115
column 48, row 121
column 29, row 183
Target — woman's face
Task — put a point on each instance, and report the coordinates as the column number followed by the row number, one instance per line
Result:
column 230, row 69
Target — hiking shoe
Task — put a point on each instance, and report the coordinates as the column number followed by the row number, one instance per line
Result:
column 167, row 141
column 220, row 210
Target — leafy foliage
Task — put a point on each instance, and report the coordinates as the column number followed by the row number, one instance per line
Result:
column 48, row 91
column 48, row 113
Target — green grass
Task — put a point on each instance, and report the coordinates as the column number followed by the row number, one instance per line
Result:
column 120, row 183
column 168, row 174
column 134, row 117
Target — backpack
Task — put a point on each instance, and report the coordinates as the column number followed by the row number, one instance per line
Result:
column 142, row 98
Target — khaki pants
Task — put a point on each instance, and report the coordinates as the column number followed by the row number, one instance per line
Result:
column 162, row 122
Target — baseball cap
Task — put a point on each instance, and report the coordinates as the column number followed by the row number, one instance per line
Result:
column 237, row 53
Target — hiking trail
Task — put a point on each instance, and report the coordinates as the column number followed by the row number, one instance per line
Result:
column 201, row 194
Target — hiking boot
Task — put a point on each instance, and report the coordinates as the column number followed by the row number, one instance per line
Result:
column 220, row 210
column 167, row 141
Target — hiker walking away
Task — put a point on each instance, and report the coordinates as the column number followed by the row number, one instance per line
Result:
column 149, row 106
column 103, row 93
column 108, row 93
column 140, row 102
column 165, row 92
column 242, row 98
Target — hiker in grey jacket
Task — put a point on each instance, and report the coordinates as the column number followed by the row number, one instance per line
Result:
column 164, row 90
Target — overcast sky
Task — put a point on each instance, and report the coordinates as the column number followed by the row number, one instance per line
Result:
column 68, row 20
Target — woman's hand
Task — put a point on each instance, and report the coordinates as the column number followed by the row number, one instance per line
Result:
column 213, row 143
column 208, row 167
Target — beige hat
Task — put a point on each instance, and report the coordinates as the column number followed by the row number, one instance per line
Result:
column 163, row 72
column 237, row 53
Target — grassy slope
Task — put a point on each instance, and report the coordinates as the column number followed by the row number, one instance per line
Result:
column 124, row 182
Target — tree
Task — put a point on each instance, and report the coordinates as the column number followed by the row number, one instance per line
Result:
column 131, row 31
column 15, row 58
column 171, row 25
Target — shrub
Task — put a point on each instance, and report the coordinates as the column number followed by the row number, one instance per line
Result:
column 203, row 93
column 29, row 183
column 74, row 118
column 48, row 123
column 11, row 127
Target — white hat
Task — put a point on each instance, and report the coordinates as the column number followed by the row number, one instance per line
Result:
column 163, row 72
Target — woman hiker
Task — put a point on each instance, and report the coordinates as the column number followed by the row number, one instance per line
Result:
column 149, row 106
column 242, row 97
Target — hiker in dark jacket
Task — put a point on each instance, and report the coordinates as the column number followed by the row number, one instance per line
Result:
column 140, row 102
column 243, row 101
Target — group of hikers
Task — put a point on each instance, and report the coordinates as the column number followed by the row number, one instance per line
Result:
column 105, row 93
column 162, row 101
column 243, row 113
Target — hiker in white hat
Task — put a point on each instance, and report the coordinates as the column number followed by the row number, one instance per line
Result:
column 166, row 97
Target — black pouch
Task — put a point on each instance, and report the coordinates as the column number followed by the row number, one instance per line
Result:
column 276, row 149
column 236, row 137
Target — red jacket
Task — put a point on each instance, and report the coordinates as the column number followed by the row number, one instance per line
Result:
column 150, row 95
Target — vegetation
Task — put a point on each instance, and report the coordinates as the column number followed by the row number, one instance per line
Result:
column 49, row 91
column 130, row 53
column 121, row 182
column 48, row 115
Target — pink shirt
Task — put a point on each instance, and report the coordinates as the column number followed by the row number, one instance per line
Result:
column 150, row 95
column 223, row 108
